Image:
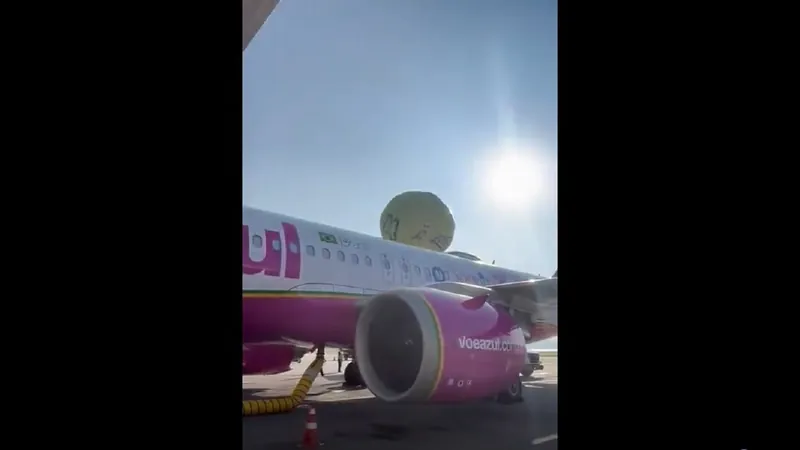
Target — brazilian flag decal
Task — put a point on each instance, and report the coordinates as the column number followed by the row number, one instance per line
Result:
column 327, row 238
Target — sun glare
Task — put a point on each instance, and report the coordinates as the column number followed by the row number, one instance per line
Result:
column 512, row 180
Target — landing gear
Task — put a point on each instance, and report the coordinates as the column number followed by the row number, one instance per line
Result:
column 352, row 377
column 511, row 394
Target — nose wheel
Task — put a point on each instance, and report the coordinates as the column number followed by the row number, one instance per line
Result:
column 352, row 377
column 512, row 394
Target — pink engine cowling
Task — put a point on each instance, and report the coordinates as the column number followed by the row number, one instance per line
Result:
column 424, row 344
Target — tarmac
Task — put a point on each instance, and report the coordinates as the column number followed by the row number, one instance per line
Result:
column 353, row 419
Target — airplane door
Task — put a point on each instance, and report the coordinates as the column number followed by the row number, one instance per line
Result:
column 416, row 276
column 388, row 276
column 404, row 272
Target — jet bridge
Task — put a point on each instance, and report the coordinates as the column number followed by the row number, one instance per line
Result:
column 254, row 13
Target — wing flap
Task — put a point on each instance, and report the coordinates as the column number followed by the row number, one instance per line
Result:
column 533, row 304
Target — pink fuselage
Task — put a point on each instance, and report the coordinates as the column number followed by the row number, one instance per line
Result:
column 277, row 317
column 331, row 319
column 305, row 318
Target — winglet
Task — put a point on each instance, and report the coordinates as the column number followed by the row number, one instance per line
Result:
column 475, row 302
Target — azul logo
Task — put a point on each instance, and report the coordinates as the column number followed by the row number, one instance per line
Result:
column 492, row 345
column 274, row 245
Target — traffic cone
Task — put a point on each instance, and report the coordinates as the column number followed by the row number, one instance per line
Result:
column 310, row 435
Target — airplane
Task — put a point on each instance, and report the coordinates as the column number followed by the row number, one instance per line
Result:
column 422, row 325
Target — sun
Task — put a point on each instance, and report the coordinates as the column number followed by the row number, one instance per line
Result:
column 512, row 180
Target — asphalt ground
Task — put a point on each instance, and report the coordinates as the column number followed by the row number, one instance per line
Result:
column 353, row 419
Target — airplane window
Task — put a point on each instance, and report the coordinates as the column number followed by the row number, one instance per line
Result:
column 418, row 270
column 340, row 255
column 310, row 250
column 326, row 253
column 292, row 247
column 427, row 274
column 368, row 261
column 354, row 258
column 257, row 242
column 276, row 245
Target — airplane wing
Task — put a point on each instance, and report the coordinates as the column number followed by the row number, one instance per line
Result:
column 527, row 296
column 533, row 304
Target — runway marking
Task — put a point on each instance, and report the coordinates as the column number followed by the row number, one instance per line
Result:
column 542, row 440
column 539, row 384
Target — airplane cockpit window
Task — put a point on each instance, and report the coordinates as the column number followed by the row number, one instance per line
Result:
column 310, row 251
column 428, row 274
column 405, row 267
column 326, row 254
column 386, row 264
column 418, row 271
column 368, row 261
column 276, row 245
column 340, row 255
column 354, row 258
column 257, row 241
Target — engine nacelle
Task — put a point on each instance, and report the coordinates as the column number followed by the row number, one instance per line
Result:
column 267, row 358
column 424, row 344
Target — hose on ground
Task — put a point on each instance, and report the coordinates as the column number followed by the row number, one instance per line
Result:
column 288, row 403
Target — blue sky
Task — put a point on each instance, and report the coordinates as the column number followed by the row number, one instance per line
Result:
column 347, row 103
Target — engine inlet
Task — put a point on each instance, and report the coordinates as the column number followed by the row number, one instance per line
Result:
column 397, row 346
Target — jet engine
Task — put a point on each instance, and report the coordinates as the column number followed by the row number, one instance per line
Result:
column 424, row 344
